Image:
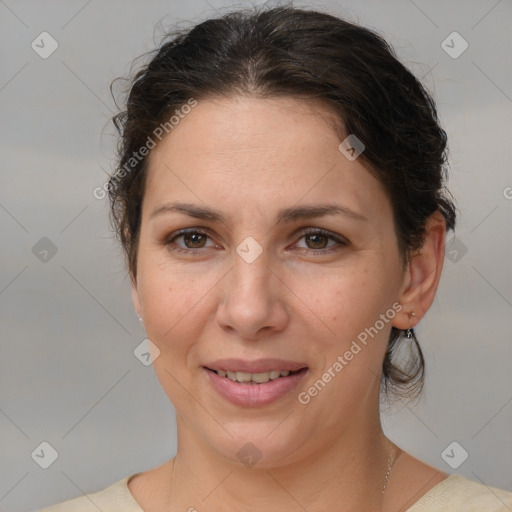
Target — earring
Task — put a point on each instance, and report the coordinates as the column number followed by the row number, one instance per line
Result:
column 140, row 319
column 409, row 333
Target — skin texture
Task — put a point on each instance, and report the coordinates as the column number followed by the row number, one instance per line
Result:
column 304, row 299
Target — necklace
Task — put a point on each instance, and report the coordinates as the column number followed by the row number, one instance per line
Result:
column 172, row 482
column 391, row 462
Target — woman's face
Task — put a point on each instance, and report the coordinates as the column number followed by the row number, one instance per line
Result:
column 273, row 286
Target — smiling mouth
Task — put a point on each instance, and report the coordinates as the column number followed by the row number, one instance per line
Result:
column 255, row 378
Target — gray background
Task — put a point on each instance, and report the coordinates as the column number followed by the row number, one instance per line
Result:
column 68, row 375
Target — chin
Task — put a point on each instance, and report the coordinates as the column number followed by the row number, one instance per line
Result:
column 261, row 444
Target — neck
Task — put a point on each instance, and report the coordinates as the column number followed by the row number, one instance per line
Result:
column 347, row 474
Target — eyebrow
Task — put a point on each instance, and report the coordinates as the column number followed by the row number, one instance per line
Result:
column 285, row 215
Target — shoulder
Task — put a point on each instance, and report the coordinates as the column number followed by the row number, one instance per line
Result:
column 111, row 499
column 457, row 493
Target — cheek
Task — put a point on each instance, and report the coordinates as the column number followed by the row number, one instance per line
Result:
column 357, row 307
column 169, row 307
column 345, row 299
column 172, row 307
column 168, row 298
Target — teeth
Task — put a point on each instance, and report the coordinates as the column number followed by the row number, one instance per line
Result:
column 243, row 376
column 258, row 378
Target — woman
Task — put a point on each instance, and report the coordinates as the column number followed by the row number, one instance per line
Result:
column 280, row 199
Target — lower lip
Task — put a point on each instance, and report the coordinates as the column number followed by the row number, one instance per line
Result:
column 254, row 395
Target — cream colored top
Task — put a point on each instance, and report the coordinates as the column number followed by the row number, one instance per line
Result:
column 453, row 494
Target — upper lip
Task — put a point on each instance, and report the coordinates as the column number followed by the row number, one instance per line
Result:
column 256, row 366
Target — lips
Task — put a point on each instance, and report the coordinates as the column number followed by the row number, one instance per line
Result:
column 254, row 383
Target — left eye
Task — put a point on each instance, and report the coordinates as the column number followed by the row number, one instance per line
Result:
column 317, row 240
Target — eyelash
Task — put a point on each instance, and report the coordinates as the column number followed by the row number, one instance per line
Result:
column 310, row 231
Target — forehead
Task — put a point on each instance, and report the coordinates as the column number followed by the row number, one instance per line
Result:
column 254, row 152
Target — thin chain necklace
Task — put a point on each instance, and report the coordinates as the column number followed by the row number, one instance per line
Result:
column 172, row 481
column 388, row 472
column 391, row 462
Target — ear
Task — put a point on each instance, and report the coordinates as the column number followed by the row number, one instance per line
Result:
column 135, row 296
column 422, row 276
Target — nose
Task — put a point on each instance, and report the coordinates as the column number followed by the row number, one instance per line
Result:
column 252, row 300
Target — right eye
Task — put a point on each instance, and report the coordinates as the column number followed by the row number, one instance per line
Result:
column 192, row 239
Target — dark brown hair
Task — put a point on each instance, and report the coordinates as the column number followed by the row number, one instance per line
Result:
column 315, row 56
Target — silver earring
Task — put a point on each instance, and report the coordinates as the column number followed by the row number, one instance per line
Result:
column 409, row 333
column 140, row 319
